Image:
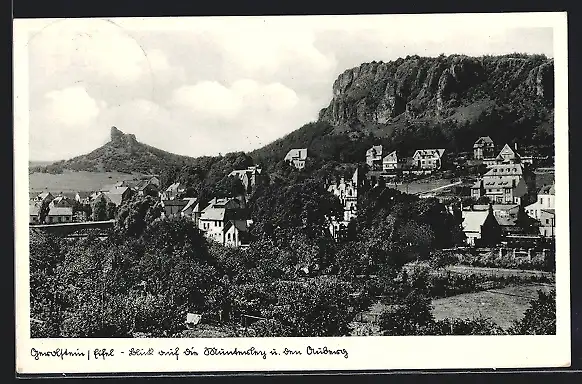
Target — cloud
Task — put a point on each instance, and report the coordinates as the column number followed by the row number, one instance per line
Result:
column 211, row 99
column 97, row 48
column 72, row 106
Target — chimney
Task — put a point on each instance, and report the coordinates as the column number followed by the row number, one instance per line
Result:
column 515, row 145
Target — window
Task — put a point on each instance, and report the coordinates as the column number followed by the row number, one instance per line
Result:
column 547, row 221
column 228, row 236
column 541, row 200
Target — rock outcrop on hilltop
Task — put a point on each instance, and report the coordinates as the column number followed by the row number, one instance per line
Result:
column 123, row 153
column 416, row 87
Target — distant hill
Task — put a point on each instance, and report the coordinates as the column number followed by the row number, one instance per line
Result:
column 123, row 153
column 421, row 102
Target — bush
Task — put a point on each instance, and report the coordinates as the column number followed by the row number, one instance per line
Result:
column 539, row 318
column 269, row 328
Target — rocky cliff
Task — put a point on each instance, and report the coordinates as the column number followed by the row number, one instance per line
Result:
column 423, row 88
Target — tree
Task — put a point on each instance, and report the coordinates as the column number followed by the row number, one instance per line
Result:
column 100, row 210
column 43, row 211
column 46, row 286
column 539, row 318
column 410, row 318
column 111, row 210
column 135, row 214
column 314, row 308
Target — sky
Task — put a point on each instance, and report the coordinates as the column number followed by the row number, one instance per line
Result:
column 204, row 86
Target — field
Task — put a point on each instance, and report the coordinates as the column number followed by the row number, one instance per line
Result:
column 73, row 181
column 503, row 305
column 421, row 185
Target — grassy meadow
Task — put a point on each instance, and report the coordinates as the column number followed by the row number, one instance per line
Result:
column 503, row 305
column 70, row 181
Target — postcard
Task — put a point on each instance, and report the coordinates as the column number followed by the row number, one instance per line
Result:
column 283, row 193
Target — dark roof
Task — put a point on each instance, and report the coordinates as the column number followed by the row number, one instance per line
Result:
column 175, row 203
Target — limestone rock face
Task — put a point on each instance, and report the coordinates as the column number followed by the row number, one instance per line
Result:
column 419, row 87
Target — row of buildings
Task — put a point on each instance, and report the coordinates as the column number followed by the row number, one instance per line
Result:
column 488, row 224
column 507, row 185
column 61, row 206
column 423, row 160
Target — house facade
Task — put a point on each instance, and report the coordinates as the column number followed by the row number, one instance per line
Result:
column 83, row 197
column 507, row 155
column 483, row 148
column 45, row 197
column 347, row 193
column 62, row 201
column 547, row 222
column 250, row 177
column 374, row 157
column 59, row 215
column 481, row 228
column 173, row 191
column 546, row 200
column 502, row 184
column 192, row 210
column 174, row 208
column 297, row 157
column 225, row 221
column 428, row 159
column 391, row 162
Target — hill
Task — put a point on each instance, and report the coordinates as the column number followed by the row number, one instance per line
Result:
column 123, row 153
column 419, row 102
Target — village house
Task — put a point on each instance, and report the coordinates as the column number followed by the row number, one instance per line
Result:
column 62, row 201
column 297, row 157
column 119, row 195
column 174, row 208
column 502, row 184
column 374, row 157
column 481, row 228
column 144, row 185
column 55, row 215
column 391, row 162
column 251, row 177
column 347, row 193
column 60, row 215
column 547, row 222
column 546, row 200
column 97, row 196
column 45, row 196
column 83, row 197
column 225, row 221
column 428, row 159
column 192, row 210
column 33, row 213
column 509, row 155
column 483, row 148
column 173, row 191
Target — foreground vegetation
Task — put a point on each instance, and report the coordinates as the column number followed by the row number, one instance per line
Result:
column 294, row 277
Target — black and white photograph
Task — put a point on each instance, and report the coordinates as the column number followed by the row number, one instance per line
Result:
column 292, row 177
